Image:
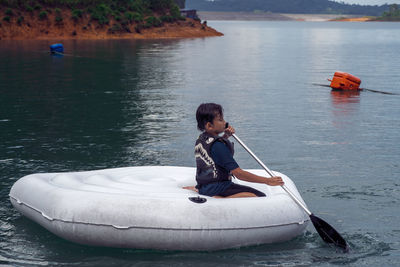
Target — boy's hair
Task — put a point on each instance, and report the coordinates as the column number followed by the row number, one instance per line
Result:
column 206, row 112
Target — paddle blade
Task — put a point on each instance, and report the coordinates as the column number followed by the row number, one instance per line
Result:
column 328, row 233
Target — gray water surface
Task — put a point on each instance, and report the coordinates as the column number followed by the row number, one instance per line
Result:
column 118, row 103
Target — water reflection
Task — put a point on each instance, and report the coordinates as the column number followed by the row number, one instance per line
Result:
column 103, row 105
column 340, row 97
column 345, row 101
column 150, row 107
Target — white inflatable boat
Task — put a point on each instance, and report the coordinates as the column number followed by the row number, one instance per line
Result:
column 146, row 207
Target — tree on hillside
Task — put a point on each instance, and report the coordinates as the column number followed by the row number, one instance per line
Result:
column 180, row 3
column 392, row 15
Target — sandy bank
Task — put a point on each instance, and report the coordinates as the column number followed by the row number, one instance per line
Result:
column 317, row 17
column 360, row 19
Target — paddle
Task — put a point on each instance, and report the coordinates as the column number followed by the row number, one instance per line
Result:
column 360, row 89
column 327, row 232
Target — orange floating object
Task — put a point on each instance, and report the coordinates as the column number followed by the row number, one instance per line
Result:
column 345, row 81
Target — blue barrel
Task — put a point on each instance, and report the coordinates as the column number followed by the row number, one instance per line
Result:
column 56, row 48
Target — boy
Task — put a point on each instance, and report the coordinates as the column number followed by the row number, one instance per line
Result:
column 214, row 158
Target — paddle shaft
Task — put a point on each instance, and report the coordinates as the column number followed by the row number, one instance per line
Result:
column 272, row 174
column 360, row 89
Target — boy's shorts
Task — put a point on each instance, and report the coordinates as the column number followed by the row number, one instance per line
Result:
column 237, row 188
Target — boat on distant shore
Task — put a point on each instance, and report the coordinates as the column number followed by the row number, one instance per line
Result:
column 147, row 208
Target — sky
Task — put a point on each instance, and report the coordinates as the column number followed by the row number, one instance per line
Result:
column 370, row 2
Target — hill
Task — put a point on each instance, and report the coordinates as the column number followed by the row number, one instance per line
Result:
column 393, row 14
column 286, row 6
column 97, row 19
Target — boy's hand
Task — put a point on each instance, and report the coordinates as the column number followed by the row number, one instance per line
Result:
column 274, row 181
column 229, row 131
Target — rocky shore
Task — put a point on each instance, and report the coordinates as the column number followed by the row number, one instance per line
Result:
column 23, row 25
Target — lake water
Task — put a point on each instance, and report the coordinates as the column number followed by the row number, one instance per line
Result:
column 129, row 103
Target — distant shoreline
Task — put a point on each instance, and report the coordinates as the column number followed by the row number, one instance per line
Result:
column 268, row 16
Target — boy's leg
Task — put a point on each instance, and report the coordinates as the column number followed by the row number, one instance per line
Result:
column 242, row 194
column 236, row 190
column 193, row 188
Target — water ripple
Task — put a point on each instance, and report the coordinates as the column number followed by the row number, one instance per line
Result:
column 373, row 194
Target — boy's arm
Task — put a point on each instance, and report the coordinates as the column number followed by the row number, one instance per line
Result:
column 249, row 177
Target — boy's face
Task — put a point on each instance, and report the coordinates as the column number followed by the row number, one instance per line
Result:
column 217, row 126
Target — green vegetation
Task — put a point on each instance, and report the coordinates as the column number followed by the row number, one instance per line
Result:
column 152, row 22
column 9, row 12
column 392, row 15
column 101, row 13
column 43, row 15
column 20, row 20
column 175, row 12
column 28, row 8
column 59, row 17
column 133, row 17
column 180, row 3
column 121, row 13
column 76, row 14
